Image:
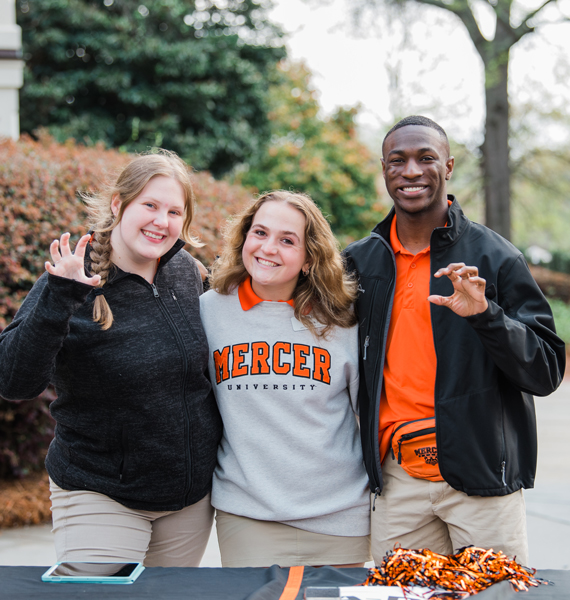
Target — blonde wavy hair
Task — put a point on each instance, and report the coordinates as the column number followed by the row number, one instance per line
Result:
column 327, row 292
column 129, row 184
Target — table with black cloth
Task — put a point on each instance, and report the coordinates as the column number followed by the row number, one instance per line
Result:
column 24, row 583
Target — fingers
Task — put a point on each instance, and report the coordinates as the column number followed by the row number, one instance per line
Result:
column 49, row 267
column 81, row 245
column 54, row 252
column 478, row 281
column 94, row 281
column 439, row 300
column 59, row 249
column 65, row 262
column 456, row 271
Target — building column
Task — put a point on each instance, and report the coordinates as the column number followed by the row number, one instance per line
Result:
column 11, row 70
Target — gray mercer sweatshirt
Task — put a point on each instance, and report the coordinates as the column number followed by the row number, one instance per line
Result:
column 290, row 450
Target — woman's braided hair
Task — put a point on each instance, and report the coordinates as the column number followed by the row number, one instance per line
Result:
column 129, row 184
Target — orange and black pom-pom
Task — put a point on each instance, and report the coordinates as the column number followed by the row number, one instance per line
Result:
column 469, row 571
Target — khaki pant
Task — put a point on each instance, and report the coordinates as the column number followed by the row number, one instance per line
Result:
column 417, row 513
column 248, row 542
column 91, row 527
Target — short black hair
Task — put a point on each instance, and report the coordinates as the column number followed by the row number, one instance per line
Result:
column 417, row 120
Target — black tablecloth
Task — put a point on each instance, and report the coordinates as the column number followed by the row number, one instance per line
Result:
column 24, row 583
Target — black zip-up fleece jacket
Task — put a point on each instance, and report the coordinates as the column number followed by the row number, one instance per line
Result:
column 136, row 416
column 488, row 365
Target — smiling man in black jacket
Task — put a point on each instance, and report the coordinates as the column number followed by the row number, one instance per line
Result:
column 455, row 339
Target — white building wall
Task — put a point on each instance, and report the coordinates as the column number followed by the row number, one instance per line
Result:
column 11, row 70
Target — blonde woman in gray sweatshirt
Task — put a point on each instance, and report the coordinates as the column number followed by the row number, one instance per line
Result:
column 290, row 487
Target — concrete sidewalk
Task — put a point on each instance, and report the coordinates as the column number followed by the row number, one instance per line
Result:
column 548, row 504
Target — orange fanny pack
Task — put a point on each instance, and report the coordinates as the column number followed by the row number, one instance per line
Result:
column 413, row 443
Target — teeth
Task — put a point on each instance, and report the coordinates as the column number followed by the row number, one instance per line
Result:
column 154, row 236
column 267, row 263
column 413, row 189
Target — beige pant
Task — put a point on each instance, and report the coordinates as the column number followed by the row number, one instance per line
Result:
column 417, row 513
column 91, row 527
column 248, row 542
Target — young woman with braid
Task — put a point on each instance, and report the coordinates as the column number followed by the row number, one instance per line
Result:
column 115, row 326
column 290, row 486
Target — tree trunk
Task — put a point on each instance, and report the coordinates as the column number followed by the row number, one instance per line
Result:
column 495, row 164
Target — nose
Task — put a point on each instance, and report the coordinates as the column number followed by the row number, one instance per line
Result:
column 412, row 169
column 161, row 218
column 270, row 245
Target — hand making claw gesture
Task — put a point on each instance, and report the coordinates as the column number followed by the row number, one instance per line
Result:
column 68, row 264
column 469, row 290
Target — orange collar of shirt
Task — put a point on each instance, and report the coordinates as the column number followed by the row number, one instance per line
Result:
column 395, row 241
column 397, row 245
column 248, row 298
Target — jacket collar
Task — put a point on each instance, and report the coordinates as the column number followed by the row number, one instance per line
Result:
column 457, row 223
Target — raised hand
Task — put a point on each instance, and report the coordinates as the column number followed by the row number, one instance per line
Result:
column 468, row 290
column 68, row 264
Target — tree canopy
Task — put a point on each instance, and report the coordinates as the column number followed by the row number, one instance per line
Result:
column 319, row 156
column 187, row 75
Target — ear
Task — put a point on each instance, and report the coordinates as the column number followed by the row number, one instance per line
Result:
column 449, row 163
column 115, row 204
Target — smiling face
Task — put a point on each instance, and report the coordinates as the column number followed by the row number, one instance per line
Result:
column 149, row 227
column 416, row 165
column 274, row 250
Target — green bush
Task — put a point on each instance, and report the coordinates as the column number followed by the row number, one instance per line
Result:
column 190, row 76
column 561, row 312
column 560, row 262
column 39, row 185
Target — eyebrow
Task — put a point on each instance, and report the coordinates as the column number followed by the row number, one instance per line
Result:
column 290, row 233
column 427, row 149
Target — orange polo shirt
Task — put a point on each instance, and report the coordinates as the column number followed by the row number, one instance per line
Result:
column 409, row 370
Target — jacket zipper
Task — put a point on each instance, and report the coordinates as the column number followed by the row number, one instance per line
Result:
column 380, row 360
column 376, row 494
column 173, row 327
column 376, row 448
column 367, row 338
column 180, row 310
column 504, row 461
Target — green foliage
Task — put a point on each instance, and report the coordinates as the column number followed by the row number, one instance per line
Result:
column 190, row 76
column 561, row 312
column 560, row 261
column 321, row 157
column 541, row 188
